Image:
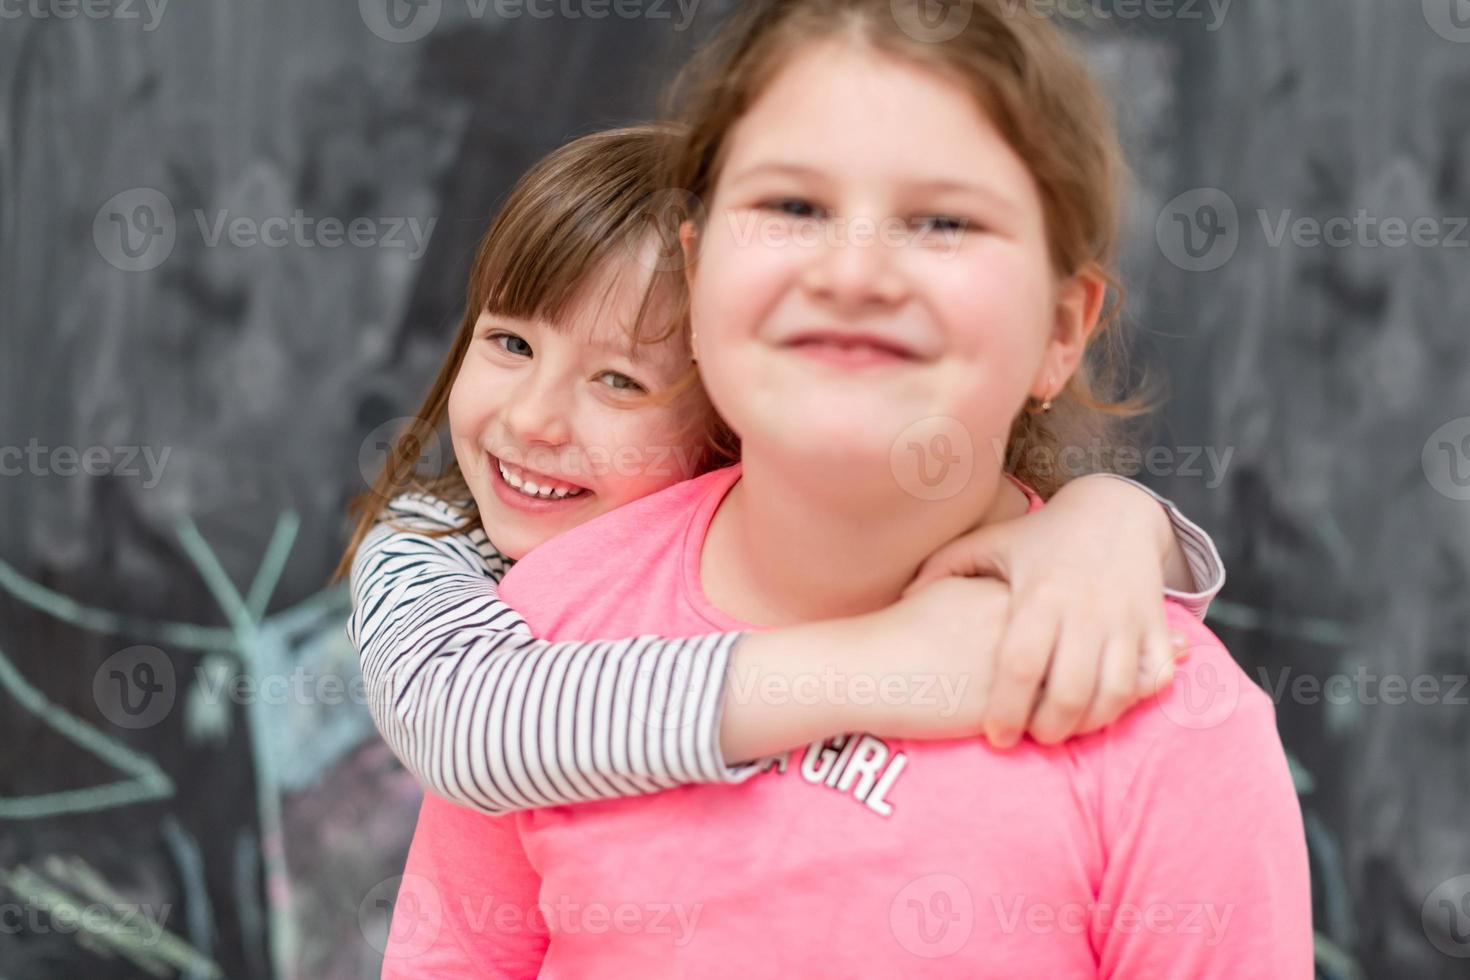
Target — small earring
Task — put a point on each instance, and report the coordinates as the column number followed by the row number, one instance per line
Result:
column 1045, row 406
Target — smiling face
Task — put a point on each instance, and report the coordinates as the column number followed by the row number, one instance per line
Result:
column 875, row 255
column 551, row 423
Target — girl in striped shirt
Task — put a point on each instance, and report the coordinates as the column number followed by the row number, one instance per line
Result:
column 594, row 388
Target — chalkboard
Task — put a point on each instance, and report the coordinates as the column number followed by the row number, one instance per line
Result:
column 189, row 394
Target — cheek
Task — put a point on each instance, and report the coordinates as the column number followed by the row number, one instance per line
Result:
column 472, row 400
column 741, row 270
column 646, row 451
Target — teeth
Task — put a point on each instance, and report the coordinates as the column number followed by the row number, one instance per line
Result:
column 530, row 488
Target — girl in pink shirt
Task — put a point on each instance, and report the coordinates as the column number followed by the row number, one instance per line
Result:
column 1167, row 845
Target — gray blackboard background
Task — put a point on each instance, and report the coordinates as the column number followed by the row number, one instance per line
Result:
column 1318, row 425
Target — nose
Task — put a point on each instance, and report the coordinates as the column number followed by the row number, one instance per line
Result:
column 537, row 410
column 855, row 268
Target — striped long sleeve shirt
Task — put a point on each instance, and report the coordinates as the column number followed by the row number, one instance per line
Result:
column 449, row 668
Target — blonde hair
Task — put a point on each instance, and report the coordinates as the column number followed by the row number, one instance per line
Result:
column 592, row 202
column 1035, row 88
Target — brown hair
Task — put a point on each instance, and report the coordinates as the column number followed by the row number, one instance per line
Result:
column 590, row 202
column 1033, row 85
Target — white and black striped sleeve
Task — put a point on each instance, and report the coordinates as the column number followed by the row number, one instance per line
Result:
column 485, row 715
column 1205, row 565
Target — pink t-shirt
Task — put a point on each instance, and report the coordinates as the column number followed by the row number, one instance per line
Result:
column 1168, row 845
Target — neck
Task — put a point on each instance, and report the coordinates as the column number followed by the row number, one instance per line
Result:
column 787, row 547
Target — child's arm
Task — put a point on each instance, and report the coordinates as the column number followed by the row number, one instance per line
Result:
column 491, row 718
column 462, row 693
column 1085, row 576
column 488, row 717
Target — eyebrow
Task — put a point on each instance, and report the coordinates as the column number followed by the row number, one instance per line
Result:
column 931, row 184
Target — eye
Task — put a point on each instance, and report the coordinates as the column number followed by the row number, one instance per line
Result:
column 943, row 224
column 796, row 207
column 621, row 382
column 510, row 343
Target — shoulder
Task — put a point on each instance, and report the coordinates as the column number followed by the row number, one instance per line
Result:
column 427, row 527
column 1211, row 731
column 617, row 565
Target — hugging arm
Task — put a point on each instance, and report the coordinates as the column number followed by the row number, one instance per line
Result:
column 489, row 717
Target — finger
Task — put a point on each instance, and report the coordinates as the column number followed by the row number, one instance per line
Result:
column 970, row 556
column 1159, row 649
column 1070, row 683
column 1117, row 688
column 1022, row 660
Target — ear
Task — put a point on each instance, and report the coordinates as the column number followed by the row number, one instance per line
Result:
column 1078, row 313
column 689, row 242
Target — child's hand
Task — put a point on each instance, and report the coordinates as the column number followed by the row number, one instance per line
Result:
column 1086, row 636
